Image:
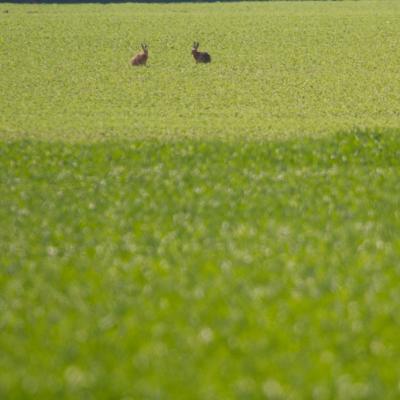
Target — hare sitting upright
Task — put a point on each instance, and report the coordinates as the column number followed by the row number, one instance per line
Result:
column 141, row 58
column 199, row 56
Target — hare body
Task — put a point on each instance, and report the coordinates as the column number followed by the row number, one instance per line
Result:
column 141, row 58
column 200, row 57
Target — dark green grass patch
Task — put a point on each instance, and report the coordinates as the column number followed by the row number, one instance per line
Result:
column 200, row 269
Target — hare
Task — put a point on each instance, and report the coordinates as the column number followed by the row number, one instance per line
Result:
column 199, row 56
column 141, row 58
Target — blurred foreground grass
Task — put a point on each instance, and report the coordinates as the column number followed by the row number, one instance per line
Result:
column 201, row 269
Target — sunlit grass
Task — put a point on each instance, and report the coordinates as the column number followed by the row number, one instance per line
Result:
column 279, row 69
column 182, row 231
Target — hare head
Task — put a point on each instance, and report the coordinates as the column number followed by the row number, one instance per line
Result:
column 145, row 48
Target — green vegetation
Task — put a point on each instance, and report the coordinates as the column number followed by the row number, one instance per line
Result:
column 201, row 269
column 182, row 231
column 279, row 69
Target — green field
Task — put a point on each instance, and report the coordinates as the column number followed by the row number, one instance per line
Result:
column 183, row 231
column 279, row 69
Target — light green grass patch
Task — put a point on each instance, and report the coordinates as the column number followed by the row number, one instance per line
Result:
column 279, row 69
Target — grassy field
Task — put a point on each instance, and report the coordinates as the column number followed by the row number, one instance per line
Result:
column 279, row 69
column 182, row 231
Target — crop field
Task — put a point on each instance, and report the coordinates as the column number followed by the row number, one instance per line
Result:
column 188, row 231
column 278, row 70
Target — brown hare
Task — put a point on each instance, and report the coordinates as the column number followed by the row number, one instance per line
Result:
column 141, row 58
column 200, row 57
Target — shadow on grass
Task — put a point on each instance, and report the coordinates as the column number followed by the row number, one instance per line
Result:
column 344, row 149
